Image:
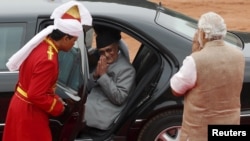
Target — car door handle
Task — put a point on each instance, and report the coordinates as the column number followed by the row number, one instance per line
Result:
column 73, row 97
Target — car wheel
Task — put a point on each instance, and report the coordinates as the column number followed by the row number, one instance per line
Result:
column 163, row 127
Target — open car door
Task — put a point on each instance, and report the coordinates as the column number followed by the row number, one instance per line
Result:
column 71, row 87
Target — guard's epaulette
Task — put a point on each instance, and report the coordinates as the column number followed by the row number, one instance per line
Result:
column 50, row 49
column 50, row 53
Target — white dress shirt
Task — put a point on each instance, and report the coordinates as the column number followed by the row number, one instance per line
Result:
column 185, row 78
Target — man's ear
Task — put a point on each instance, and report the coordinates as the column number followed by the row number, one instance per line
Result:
column 66, row 37
column 204, row 39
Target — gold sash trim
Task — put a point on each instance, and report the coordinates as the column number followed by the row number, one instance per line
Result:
column 53, row 105
column 21, row 94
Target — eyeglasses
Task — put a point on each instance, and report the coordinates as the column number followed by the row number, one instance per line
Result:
column 107, row 50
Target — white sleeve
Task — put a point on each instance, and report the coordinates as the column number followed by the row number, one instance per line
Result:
column 185, row 78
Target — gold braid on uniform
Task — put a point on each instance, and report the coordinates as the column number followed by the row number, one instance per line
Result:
column 50, row 48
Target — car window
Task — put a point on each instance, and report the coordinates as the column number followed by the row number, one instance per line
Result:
column 76, row 77
column 11, row 39
column 69, row 68
column 177, row 24
column 66, row 62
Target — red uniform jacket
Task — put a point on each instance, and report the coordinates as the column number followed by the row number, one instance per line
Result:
column 34, row 99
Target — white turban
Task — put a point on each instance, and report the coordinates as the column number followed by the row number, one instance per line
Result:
column 70, row 26
column 212, row 24
column 85, row 16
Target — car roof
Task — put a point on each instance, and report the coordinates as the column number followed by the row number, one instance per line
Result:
column 115, row 11
column 12, row 8
column 34, row 8
column 139, row 13
column 136, row 17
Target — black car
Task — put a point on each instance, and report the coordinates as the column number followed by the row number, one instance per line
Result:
column 161, row 38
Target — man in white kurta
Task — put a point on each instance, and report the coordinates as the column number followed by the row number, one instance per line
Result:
column 210, row 80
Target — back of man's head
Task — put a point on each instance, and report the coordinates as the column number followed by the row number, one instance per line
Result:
column 213, row 25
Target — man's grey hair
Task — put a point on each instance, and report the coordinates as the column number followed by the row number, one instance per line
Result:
column 213, row 25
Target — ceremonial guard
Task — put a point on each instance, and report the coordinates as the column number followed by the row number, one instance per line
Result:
column 35, row 100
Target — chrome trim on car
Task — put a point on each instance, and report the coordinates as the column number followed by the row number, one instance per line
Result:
column 245, row 115
column 139, row 120
column 6, row 71
column 60, row 123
